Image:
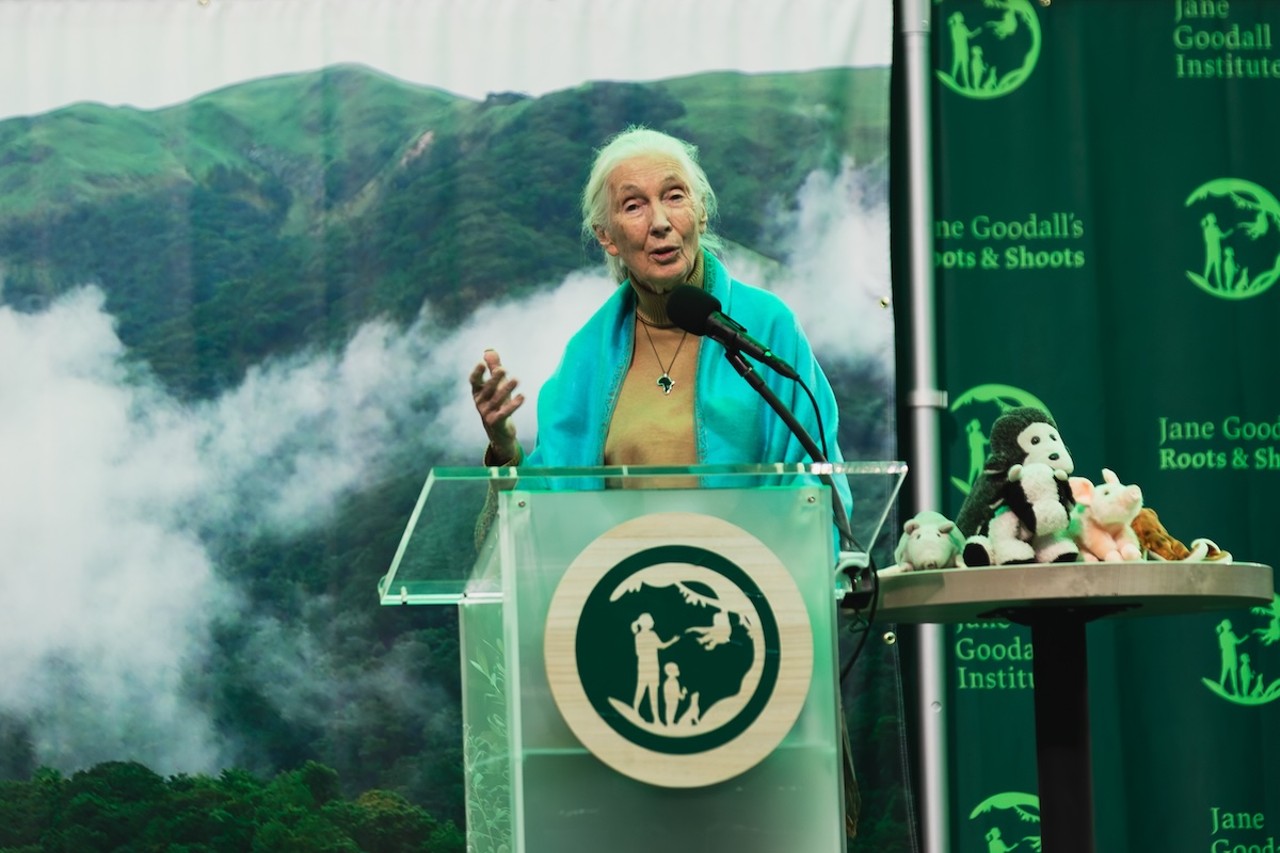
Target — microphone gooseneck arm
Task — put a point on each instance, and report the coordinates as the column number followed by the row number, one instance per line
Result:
column 747, row 372
column 696, row 311
column 733, row 335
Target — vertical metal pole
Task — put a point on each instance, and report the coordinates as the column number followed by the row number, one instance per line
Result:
column 926, row 402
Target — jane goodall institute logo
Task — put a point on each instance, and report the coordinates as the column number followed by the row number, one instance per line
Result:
column 1009, row 821
column 1245, row 645
column 1239, row 223
column 986, row 48
column 678, row 649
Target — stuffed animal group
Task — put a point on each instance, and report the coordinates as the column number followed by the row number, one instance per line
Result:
column 1025, row 507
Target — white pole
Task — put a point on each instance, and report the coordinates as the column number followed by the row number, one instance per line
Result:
column 926, row 402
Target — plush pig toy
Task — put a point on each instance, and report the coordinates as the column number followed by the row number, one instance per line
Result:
column 929, row 541
column 1103, row 519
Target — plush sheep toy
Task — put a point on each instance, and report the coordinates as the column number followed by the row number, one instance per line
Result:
column 1021, row 436
column 929, row 541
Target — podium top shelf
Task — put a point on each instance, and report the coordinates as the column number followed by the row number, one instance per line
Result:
column 1082, row 591
column 749, row 475
column 444, row 538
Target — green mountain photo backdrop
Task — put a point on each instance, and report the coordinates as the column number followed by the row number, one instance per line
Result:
column 234, row 335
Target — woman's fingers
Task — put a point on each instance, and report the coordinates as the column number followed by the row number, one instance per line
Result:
column 495, row 396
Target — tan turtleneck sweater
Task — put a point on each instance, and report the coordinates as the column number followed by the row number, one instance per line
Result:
column 650, row 427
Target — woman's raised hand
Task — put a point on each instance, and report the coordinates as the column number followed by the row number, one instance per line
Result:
column 496, row 402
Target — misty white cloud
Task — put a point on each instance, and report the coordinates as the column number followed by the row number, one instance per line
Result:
column 309, row 691
column 835, row 274
column 113, row 496
column 299, row 432
column 105, row 593
column 529, row 335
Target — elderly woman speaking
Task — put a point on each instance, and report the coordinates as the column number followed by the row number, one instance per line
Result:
column 633, row 388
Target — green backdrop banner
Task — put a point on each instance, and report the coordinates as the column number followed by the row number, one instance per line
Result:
column 1107, row 239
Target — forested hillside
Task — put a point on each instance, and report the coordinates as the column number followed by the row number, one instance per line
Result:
column 125, row 806
column 284, row 212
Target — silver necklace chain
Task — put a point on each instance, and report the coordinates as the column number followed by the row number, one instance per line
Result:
column 664, row 381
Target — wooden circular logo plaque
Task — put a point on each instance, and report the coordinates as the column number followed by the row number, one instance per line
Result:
column 678, row 649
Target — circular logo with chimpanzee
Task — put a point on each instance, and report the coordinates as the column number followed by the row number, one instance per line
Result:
column 1239, row 222
column 986, row 48
column 678, row 649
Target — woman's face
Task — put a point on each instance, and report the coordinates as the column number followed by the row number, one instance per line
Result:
column 653, row 223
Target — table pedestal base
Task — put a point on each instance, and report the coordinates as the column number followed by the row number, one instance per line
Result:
column 1064, row 762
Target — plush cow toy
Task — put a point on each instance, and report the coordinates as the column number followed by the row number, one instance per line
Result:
column 1022, row 436
column 1033, row 526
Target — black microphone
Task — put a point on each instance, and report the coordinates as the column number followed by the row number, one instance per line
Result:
column 695, row 310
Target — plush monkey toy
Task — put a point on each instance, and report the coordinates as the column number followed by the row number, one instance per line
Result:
column 1021, row 436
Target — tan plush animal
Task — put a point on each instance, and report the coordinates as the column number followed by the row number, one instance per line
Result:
column 1159, row 544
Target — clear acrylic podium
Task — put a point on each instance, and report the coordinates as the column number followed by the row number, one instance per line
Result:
column 574, row 742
